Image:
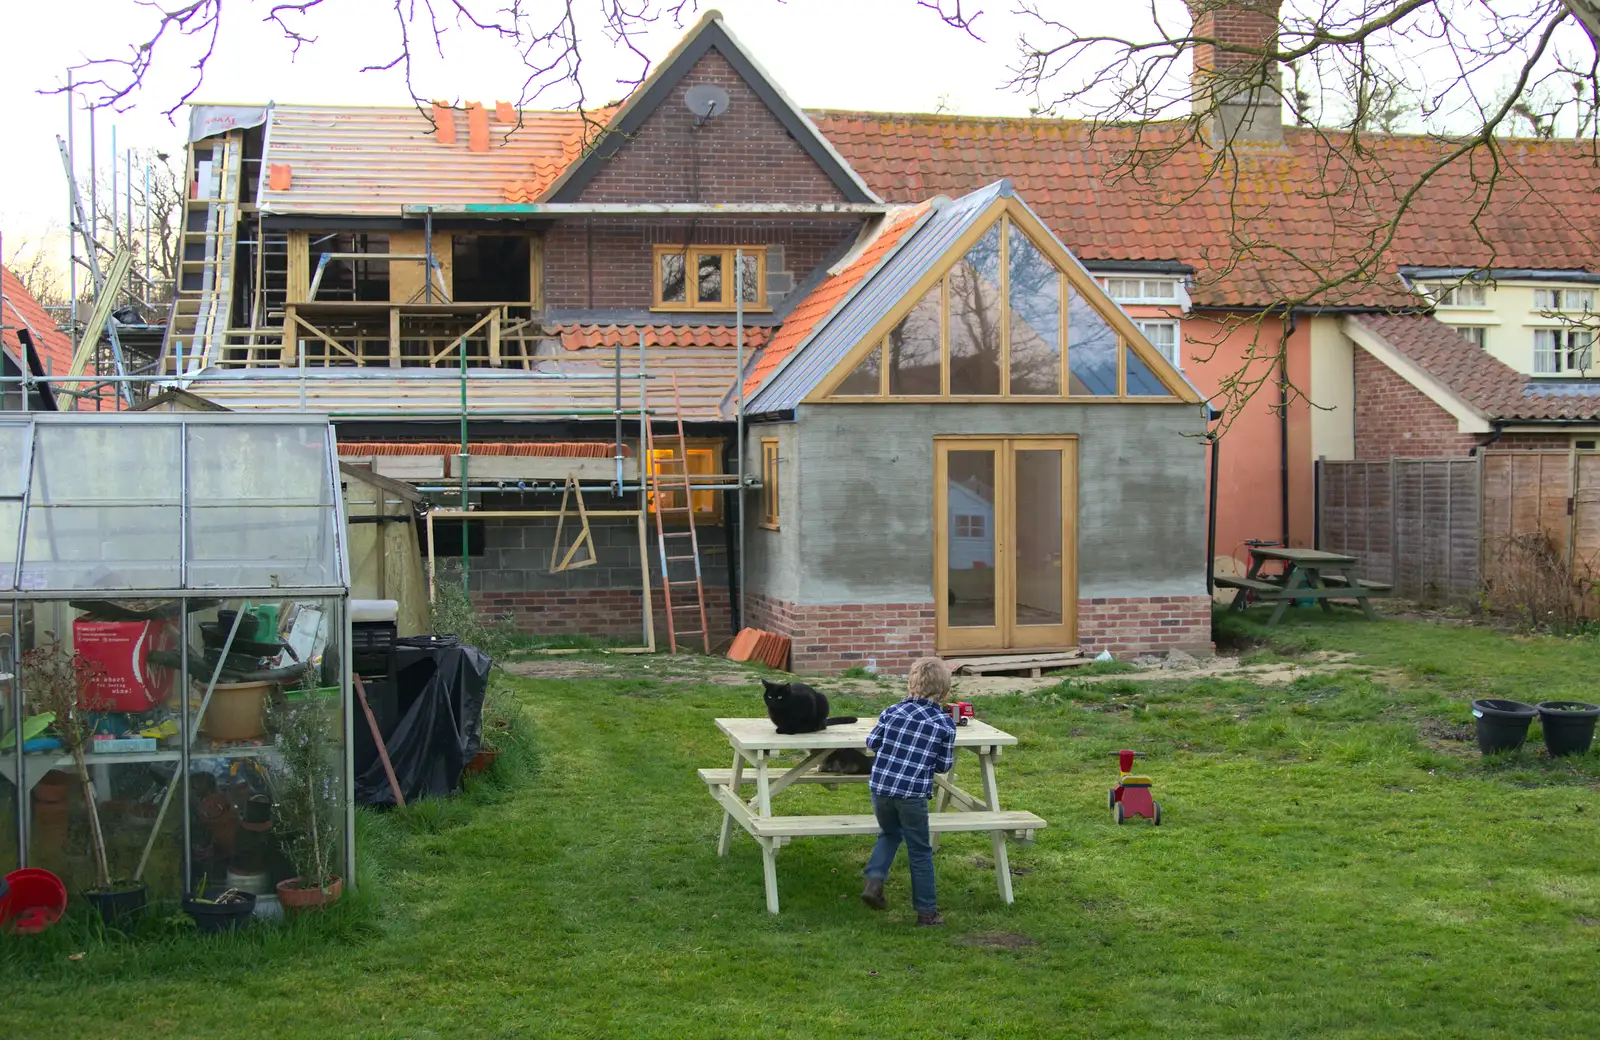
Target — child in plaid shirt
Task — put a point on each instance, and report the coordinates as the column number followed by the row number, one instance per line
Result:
column 913, row 740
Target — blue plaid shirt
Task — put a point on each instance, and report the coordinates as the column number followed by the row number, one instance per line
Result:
column 912, row 740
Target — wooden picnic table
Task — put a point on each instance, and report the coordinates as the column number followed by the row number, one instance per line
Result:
column 757, row 745
column 1309, row 574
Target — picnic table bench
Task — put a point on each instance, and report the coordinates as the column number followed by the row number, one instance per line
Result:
column 757, row 746
column 1309, row 574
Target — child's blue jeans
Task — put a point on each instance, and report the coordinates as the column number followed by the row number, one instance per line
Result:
column 905, row 819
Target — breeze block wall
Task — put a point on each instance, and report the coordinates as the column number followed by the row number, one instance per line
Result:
column 512, row 579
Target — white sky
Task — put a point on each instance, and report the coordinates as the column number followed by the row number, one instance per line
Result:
column 885, row 55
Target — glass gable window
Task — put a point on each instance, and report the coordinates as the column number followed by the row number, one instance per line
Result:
column 993, row 326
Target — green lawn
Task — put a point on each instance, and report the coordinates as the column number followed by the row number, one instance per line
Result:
column 1335, row 860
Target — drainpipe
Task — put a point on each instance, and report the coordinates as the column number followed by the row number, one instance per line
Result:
column 1499, row 431
column 738, row 335
column 1283, row 425
column 1211, row 507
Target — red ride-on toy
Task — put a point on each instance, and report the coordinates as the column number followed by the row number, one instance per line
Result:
column 1131, row 796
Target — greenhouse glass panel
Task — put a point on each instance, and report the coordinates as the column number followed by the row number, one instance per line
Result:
column 100, row 547
column 106, row 464
column 13, row 447
column 261, row 547
column 279, row 465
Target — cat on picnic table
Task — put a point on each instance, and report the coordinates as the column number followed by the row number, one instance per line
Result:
column 797, row 708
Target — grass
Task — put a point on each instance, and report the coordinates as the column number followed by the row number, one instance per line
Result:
column 1334, row 861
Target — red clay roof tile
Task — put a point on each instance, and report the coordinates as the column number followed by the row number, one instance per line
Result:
column 1477, row 377
column 822, row 300
column 1295, row 214
column 20, row 310
column 577, row 337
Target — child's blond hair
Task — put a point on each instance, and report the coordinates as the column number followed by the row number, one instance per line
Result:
column 929, row 680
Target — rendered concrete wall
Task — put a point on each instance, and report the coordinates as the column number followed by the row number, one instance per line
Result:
column 866, row 503
column 772, row 560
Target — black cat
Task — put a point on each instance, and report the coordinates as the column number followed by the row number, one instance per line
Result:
column 848, row 762
column 797, row 708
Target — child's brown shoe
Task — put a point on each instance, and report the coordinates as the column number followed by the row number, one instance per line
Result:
column 872, row 894
column 929, row 919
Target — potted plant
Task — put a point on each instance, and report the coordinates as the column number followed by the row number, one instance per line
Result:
column 494, row 736
column 309, row 803
column 57, row 680
column 225, row 913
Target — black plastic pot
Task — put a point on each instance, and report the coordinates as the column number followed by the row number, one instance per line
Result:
column 220, row 917
column 119, row 905
column 1568, row 726
column 1502, row 725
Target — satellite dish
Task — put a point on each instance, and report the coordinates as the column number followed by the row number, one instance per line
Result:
column 706, row 100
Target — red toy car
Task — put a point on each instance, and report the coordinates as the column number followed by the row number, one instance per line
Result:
column 1131, row 796
column 960, row 711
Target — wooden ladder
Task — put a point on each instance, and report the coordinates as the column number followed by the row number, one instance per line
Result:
column 201, row 315
column 669, row 482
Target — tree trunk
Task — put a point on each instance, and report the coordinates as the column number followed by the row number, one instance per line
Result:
column 97, row 839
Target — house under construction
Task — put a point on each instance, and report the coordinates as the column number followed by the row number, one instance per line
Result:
column 684, row 348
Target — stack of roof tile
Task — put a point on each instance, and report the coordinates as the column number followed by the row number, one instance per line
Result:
column 577, row 337
column 754, row 644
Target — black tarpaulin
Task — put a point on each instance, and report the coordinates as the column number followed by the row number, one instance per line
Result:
column 441, row 687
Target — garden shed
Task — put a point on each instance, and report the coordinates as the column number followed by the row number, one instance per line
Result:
column 174, row 675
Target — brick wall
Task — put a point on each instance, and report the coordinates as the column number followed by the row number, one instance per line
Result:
column 830, row 639
column 1128, row 627
column 608, row 263
column 742, row 155
column 1248, row 23
column 1394, row 419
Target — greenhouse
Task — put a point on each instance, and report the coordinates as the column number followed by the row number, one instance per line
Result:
column 175, row 664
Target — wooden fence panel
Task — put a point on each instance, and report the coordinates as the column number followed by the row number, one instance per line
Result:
column 1412, row 522
column 1353, row 514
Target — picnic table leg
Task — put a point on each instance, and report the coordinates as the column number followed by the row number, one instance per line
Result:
column 727, row 817
column 763, row 788
column 1296, row 581
column 941, row 801
column 769, row 871
column 997, row 839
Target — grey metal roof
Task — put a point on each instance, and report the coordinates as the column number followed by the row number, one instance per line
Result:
column 884, row 288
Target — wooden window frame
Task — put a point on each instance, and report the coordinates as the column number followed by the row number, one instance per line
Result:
column 770, row 511
column 1072, row 280
column 691, row 286
column 696, row 446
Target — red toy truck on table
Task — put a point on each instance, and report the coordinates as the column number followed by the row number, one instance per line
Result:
column 1131, row 796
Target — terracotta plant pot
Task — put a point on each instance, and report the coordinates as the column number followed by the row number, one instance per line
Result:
column 216, row 812
column 295, row 899
column 481, row 762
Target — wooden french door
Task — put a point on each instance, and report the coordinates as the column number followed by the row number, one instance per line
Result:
column 1005, row 545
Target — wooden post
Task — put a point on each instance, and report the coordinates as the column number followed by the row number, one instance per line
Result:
column 394, row 337
column 286, row 356
column 495, row 317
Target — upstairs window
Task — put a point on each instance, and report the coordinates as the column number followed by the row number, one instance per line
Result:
column 1142, row 290
column 1463, row 295
column 1562, row 351
column 663, row 462
column 702, row 278
column 1477, row 335
column 1163, row 335
column 1579, row 300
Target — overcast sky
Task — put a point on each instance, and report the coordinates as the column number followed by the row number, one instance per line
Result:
column 887, row 55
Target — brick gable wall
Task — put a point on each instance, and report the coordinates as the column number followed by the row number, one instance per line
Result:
column 742, row 155
column 608, row 263
column 1394, row 419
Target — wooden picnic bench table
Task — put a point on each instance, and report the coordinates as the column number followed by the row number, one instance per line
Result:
column 757, row 745
column 1309, row 574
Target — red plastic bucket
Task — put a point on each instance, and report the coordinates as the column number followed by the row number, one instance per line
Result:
column 35, row 902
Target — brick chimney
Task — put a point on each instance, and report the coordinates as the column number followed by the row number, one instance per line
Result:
column 1237, row 95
